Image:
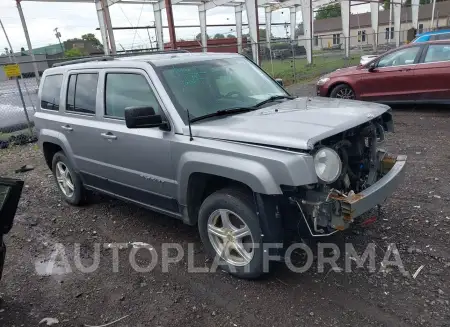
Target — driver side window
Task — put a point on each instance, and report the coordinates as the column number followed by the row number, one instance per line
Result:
column 398, row 58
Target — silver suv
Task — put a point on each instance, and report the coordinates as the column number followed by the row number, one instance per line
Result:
column 212, row 140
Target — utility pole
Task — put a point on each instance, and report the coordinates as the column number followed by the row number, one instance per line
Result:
column 58, row 36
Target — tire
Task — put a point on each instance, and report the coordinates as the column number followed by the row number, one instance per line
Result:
column 77, row 196
column 341, row 89
column 233, row 203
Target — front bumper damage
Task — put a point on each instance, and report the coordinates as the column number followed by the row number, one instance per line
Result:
column 338, row 211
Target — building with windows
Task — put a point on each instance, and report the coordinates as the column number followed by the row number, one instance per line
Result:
column 328, row 32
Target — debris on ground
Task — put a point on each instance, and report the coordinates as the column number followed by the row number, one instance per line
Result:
column 24, row 169
column 49, row 321
column 108, row 324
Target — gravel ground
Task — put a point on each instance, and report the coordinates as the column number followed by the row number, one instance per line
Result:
column 416, row 219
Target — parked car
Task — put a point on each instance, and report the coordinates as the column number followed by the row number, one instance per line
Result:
column 10, row 191
column 212, row 140
column 432, row 36
column 417, row 72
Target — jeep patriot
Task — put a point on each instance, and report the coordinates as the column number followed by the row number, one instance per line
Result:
column 212, row 140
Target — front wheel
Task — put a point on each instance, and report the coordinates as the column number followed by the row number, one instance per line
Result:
column 343, row 91
column 230, row 230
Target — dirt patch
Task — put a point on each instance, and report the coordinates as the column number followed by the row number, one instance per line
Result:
column 416, row 219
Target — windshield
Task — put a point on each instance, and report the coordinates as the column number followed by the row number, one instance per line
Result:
column 209, row 86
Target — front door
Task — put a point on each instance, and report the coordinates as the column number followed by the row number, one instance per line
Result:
column 435, row 70
column 393, row 78
column 139, row 162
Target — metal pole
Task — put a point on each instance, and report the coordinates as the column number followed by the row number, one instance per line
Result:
column 390, row 20
column 27, row 37
column 170, row 22
column 107, row 18
column 432, row 14
column 312, row 32
column 17, row 81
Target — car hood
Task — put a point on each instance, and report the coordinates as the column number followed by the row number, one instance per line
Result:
column 295, row 124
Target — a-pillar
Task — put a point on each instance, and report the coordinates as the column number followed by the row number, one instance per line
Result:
column 345, row 17
column 268, row 25
column 250, row 6
column 158, row 27
column 27, row 37
column 102, row 24
column 238, row 16
column 203, row 31
column 374, row 14
column 307, row 28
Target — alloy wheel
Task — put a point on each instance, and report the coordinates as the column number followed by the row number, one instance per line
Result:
column 345, row 93
column 230, row 237
column 64, row 179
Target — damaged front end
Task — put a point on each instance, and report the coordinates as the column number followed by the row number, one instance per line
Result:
column 363, row 176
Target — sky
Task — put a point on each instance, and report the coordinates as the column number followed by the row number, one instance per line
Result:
column 76, row 19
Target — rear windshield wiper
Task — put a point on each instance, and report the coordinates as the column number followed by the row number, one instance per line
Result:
column 224, row 112
column 273, row 98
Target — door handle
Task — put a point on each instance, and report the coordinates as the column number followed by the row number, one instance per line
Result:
column 109, row 136
column 67, row 127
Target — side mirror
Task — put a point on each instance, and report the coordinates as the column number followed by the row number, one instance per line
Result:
column 140, row 117
column 371, row 67
column 279, row 81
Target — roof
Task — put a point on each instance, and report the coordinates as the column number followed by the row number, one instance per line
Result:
column 160, row 59
column 364, row 20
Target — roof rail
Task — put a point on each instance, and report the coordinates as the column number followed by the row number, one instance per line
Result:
column 79, row 61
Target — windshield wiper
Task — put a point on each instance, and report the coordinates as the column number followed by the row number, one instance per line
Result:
column 224, row 112
column 241, row 109
column 273, row 98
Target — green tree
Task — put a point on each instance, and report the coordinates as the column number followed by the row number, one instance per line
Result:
column 198, row 37
column 219, row 36
column 74, row 52
column 230, row 36
column 90, row 37
column 329, row 11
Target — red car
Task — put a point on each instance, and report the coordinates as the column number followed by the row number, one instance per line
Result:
column 417, row 72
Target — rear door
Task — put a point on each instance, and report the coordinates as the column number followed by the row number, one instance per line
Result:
column 139, row 162
column 434, row 68
column 80, row 124
column 393, row 77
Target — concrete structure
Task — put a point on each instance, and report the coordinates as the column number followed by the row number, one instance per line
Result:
column 328, row 32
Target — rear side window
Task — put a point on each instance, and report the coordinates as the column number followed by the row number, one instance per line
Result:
column 50, row 92
column 438, row 52
column 443, row 36
column 82, row 93
column 127, row 90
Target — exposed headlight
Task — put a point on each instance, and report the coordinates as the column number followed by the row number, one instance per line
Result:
column 323, row 80
column 328, row 165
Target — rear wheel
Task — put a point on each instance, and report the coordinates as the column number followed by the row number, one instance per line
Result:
column 69, row 183
column 342, row 91
column 230, row 230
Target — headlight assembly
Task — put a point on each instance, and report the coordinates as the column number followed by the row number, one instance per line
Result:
column 328, row 165
column 323, row 80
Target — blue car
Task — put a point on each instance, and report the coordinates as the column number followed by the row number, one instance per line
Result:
column 432, row 36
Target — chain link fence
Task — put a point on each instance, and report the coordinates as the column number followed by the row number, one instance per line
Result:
column 280, row 58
